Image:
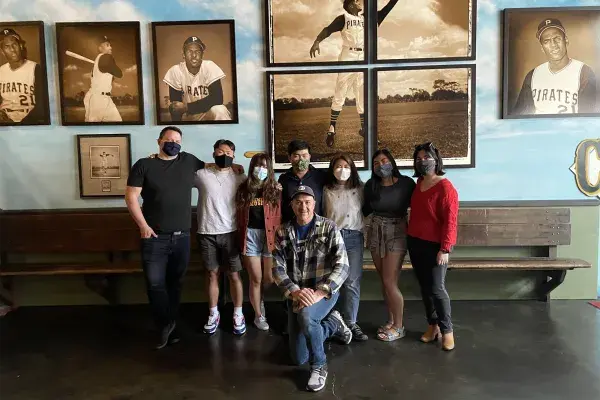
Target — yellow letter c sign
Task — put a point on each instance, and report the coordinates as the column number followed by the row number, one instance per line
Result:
column 587, row 167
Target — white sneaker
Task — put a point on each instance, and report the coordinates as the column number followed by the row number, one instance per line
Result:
column 261, row 323
column 318, row 378
column 213, row 323
column 239, row 324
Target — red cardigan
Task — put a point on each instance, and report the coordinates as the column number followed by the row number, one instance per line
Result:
column 272, row 222
column 434, row 214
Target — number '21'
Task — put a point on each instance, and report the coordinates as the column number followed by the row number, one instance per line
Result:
column 562, row 109
column 24, row 100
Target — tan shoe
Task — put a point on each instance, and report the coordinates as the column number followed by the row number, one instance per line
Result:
column 432, row 334
column 448, row 342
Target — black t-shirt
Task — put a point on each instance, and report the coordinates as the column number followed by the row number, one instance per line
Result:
column 166, row 190
column 256, row 217
column 393, row 201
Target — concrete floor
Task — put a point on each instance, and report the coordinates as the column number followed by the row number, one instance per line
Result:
column 505, row 350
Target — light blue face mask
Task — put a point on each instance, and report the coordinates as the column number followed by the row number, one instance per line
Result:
column 261, row 173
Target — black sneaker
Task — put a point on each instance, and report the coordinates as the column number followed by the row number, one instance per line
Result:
column 361, row 132
column 164, row 335
column 357, row 333
column 318, row 378
column 330, row 140
column 343, row 333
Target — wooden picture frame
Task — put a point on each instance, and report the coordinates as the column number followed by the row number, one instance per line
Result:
column 104, row 165
column 289, row 43
column 309, row 118
column 100, row 99
column 217, row 39
column 403, row 34
column 24, row 89
column 550, row 57
column 407, row 114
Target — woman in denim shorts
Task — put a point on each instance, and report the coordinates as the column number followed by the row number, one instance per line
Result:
column 387, row 196
column 258, row 205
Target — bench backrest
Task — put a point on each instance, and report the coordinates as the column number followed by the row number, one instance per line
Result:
column 106, row 230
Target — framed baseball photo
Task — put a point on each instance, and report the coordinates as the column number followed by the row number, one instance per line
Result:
column 100, row 73
column 427, row 104
column 323, row 107
column 23, row 78
column 195, row 72
column 316, row 32
column 551, row 62
column 104, row 164
column 423, row 30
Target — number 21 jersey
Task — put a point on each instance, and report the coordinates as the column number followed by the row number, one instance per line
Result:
column 17, row 88
column 556, row 92
column 194, row 87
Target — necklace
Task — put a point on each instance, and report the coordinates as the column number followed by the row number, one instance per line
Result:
column 216, row 173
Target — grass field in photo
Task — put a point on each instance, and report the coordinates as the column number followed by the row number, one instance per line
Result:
column 77, row 114
column 108, row 172
column 312, row 125
column 401, row 126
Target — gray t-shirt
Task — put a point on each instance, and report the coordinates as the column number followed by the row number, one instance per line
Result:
column 216, row 200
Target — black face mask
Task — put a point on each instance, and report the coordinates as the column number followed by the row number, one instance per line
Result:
column 171, row 148
column 223, row 161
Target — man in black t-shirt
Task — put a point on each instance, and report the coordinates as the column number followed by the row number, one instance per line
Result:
column 165, row 184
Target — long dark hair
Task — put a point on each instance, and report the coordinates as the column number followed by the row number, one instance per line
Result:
column 430, row 149
column 375, row 179
column 354, row 180
column 249, row 188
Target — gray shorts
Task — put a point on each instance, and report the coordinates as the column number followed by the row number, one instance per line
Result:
column 387, row 235
column 220, row 251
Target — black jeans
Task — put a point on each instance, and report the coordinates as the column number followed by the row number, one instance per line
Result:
column 432, row 280
column 165, row 259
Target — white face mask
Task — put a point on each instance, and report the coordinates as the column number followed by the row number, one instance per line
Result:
column 342, row 174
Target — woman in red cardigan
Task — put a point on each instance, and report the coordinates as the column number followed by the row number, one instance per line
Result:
column 258, row 205
column 431, row 237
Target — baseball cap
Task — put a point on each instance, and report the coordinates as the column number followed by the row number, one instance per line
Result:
column 103, row 39
column 9, row 32
column 302, row 189
column 194, row 39
column 549, row 23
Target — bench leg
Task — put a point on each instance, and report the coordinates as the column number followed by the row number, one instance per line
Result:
column 104, row 285
column 552, row 279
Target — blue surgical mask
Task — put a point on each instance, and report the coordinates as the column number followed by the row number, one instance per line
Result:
column 384, row 170
column 171, row 148
column 261, row 173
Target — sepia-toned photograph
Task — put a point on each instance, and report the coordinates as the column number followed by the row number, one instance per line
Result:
column 100, row 73
column 195, row 72
column 326, row 109
column 23, row 77
column 104, row 164
column 551, row 62
column 427, row 104
column 424, row 30
column 316, row 32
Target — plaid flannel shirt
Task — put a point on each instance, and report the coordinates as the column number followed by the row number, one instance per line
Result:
column 325, row 258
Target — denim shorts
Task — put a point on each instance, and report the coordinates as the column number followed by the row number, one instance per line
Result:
column 256, row 243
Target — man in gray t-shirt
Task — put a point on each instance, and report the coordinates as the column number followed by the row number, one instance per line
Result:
column 217, row 237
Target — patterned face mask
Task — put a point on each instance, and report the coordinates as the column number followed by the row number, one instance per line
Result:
column 301, row 165
column 260, row 173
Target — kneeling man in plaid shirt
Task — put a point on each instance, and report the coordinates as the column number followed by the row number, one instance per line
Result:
column 310, row 266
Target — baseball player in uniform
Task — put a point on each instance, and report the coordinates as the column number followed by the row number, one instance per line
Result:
column 562, row 85
column 99, row 105
column 195, row 90
column 351, row 25
column 21, row 83
column 104, row 161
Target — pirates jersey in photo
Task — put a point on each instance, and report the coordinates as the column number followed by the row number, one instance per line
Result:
column 194, row 87
column 101, row 81
column 353, row 32
column 17, row 89
column 556, row 92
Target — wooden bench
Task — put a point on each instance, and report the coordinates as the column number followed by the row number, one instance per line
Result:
column 101, row 244
column 537, row 230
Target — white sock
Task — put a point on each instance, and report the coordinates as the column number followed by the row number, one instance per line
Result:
column 237, row 311
column 214, row 310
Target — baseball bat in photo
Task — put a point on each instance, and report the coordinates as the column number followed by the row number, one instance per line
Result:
column 77, row 56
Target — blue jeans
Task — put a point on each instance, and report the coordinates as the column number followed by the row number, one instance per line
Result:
column 350, row 290
column 165, row 259
column 308, row 329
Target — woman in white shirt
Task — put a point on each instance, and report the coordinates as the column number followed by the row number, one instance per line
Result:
column 342, row 203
